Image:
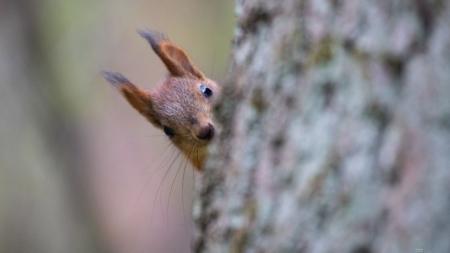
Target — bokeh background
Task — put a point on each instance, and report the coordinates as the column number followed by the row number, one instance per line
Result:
column 80, row 171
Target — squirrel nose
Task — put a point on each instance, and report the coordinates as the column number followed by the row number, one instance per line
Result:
column 206, row 133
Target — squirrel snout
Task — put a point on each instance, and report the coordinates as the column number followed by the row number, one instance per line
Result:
column 206, row 133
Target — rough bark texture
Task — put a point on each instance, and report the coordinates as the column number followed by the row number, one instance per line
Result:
column 336, row 131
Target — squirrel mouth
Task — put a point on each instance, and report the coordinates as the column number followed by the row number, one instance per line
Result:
column 202, row 142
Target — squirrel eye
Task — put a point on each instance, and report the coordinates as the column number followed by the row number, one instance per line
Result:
column 207, row 92
column 169, row 131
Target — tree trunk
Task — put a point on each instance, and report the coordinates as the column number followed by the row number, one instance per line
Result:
column 336, row 131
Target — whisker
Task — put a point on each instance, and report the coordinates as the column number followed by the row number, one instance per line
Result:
column 193, row 184
column 147, row 181
column 198, row 160
column 173, row 182
column 160, row 183
column 182, row 193
column 170, row 194
column 154, row 136
column 159, row 166
column 182, row 187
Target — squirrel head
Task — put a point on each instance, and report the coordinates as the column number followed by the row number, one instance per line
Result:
column 181, row 105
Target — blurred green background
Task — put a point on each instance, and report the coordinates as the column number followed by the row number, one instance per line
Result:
column 80, row 170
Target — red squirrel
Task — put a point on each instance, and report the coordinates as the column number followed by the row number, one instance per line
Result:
column 181, row 105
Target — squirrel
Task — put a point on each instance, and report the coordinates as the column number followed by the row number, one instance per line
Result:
column 181, row 105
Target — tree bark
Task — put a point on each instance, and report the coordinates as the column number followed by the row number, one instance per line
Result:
column 336, row 130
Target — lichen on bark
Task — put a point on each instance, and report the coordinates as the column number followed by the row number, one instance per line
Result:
column 336, row 134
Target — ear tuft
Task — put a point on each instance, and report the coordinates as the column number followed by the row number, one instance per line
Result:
column 176, row 60
column 138, row 98
column 154, row 38
column 115, row 78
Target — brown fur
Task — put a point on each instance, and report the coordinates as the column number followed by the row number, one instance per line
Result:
column 177, row 102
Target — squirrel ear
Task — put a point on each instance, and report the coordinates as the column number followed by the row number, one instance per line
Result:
column 139, row 99
column 175, row 59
